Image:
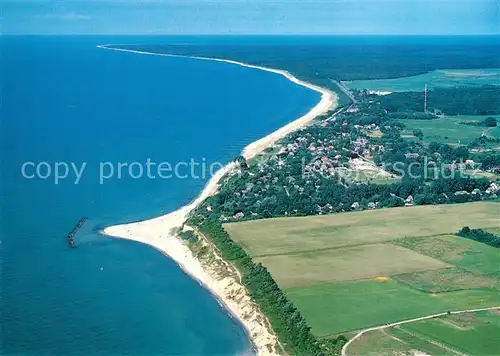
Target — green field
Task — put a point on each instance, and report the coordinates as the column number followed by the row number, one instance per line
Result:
column 476, row 335
column 470, row 333
column 446, row 280
column 354, row 270
column 467, row 254
column 437, row 78
column 339, row 307
column 393, row 342
column 284, row 235
column 449, row 129
column 348, row 263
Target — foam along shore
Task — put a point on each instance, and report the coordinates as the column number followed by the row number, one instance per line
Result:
column 160, row 232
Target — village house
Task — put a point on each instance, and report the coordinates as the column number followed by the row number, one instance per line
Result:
column 238, row 215
column 412, row 155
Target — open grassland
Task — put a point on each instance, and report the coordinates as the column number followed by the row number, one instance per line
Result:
column 301, row 234
column 449, row 129
column 464, row 334
column 348, row 263
column 377, row 343
column 394, row 342
column 469, row 333
column 447, row 280
column 467, row 254
column 353, row 305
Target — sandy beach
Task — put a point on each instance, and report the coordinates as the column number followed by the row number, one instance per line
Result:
column 160, row 232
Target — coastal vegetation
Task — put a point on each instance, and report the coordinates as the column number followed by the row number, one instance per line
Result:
column 287, row 322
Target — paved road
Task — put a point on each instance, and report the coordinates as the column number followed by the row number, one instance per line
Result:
column 358, row 335
column 345, row 90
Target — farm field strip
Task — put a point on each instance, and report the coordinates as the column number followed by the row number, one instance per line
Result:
column 467, row 254
column 425, row 343
column 446, row 280
column 449, row 129
column 295, row 234
column 348, row 271
column 353, row 305
column 349, row 263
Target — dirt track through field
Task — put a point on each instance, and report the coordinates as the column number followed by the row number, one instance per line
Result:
column 433, row 316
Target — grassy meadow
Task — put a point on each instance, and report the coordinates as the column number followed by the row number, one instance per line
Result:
column 347, row 263
column 450, row 129
column 464, row 253
column 350, row 271
column 335, row 308
column 470, row 333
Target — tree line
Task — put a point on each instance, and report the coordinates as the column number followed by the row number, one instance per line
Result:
column 483, row 100
column 287, row 322
column 479, row 235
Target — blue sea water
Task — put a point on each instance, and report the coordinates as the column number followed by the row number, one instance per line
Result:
column 64, row 100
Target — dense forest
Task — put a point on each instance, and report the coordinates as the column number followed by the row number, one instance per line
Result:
column 292, row 330
column 481, row 236
column 321, row 58
column 484, row 100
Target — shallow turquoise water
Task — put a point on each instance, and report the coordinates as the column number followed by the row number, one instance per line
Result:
column 66, row 100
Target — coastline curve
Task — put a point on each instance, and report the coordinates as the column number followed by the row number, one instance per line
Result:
column 160, row 232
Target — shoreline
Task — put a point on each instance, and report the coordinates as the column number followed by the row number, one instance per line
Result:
column 160, row 232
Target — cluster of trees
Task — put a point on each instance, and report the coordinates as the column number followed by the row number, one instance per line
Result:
column 449, row 153
column 480, row 236
column 490, row 121
column 483, row 100
column 287, row 322
column 489, row 160
column 483, row 141
column 189, row 236
column 328, row 196
column 423, row 159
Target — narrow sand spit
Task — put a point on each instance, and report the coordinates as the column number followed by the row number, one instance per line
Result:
column 160, row 232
